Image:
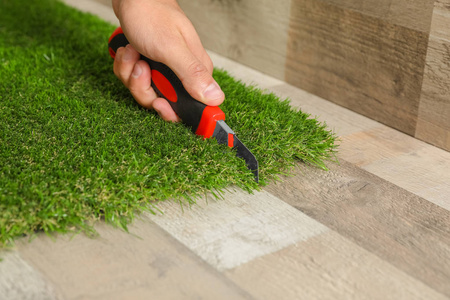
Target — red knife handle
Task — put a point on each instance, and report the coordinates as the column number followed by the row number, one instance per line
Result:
column 199, row 117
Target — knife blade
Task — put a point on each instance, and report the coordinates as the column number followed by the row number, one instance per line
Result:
column 204, row 120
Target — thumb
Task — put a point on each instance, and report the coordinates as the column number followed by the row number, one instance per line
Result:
column 196, row 78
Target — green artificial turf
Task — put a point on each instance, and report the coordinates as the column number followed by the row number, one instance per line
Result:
column 75, row 147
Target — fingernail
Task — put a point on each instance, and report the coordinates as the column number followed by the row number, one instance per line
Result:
column 213, row 92
column 137, row 71
column 127, row 54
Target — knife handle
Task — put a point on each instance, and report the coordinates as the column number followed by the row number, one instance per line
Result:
column 201, row 118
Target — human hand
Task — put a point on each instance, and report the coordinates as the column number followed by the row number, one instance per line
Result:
column 160, row 30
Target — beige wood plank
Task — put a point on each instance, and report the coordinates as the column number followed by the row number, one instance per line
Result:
column 378, row 144
column 360, row 62
column 400, row 159
column 425, row 172
column 18, row 280
column 433, row 123
column 237, row 229
column 145, row 264
column 401, row 228
column 328, row 266
column 253, row 32
column 415, row 14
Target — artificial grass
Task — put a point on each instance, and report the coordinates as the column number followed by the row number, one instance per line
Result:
column 75, row 147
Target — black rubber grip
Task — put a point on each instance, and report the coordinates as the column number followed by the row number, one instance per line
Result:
column 186, row 107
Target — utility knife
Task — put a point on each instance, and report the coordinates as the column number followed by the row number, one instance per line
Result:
column 204, row 120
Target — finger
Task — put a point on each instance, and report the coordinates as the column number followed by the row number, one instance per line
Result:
column 139, row 84
column 124, row 62
column 142, row 91
column 165, row 111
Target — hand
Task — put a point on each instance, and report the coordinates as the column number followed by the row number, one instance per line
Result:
column 161, row 31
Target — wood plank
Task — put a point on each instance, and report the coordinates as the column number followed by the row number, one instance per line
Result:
column 402, row 160
column 415, row 14
column 18, row 280
column 253, row 32
column 328, row 266
column 401, row 228
column 433, row 123
column 360, row 62
column 378, row 144
column 408, row 170
column 241, row 227
column 119, row 265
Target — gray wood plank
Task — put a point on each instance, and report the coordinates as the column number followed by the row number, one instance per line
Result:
column 402, row 160
column 401, row 228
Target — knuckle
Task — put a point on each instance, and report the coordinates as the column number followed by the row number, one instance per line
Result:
column 196, row 69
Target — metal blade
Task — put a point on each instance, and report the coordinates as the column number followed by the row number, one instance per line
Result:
column 225, row 135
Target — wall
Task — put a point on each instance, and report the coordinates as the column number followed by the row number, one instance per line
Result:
column 386, row 59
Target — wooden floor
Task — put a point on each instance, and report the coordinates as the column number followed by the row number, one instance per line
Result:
column 376, row 226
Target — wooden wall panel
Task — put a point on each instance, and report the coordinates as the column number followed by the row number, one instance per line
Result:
column 252, row 32
column 360, row 62
column 434, row 114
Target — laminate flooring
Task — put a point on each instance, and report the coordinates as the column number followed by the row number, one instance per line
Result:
column 375, row 226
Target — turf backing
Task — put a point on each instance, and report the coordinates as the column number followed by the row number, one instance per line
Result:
column 75, row 147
